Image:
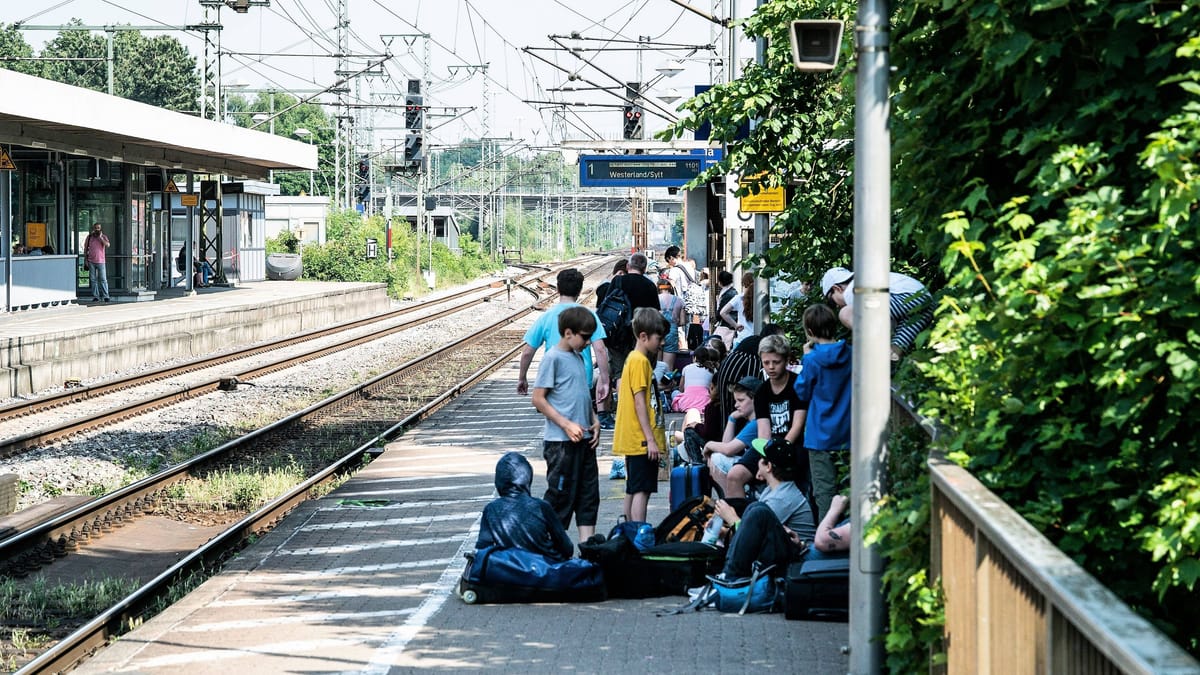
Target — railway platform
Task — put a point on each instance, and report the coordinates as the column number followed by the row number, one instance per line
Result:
column 362, row 581
column 45, row 348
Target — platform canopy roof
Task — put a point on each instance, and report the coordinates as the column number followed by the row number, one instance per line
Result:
column 46, row 114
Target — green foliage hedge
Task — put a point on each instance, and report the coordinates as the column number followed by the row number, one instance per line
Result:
column 343, row 256
column 1047, row 155
column 1045, row 183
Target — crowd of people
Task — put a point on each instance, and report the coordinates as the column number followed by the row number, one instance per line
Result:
column 770, row 421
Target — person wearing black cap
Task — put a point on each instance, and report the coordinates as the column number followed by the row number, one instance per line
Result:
column 773, row 529
column 517, row 519
column 740, row 431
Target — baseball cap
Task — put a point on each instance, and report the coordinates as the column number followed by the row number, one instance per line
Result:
column 777, row 451
column 835, row 275
column 750, row 383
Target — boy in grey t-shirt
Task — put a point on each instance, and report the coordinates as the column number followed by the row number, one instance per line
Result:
column 572, row 432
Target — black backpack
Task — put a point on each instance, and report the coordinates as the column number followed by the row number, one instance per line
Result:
column 616, row 315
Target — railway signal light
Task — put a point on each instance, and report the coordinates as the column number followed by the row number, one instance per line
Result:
column 414, row 152
column 414, row 112
column 633, row 122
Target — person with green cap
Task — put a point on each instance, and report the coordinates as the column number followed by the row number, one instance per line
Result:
column 774, row 529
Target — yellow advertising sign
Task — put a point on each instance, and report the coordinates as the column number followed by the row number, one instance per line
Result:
column 768, row 200
column 35, row 235
column 189, row 200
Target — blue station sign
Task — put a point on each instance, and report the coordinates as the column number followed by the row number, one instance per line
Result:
column 643, row 170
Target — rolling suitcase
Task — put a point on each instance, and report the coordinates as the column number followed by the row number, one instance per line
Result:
column 818, row 589
column 687, row 481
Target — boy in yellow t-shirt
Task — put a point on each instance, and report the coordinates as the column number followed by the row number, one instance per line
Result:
column 638, row 435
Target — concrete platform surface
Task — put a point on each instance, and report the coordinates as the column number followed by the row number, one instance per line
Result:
column 350, row 585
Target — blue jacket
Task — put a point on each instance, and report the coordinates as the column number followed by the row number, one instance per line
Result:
column 824, row 384
column 519, row 520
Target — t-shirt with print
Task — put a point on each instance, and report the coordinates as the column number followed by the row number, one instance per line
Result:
column 638, row 376
column 778, row 407
column 544, row 332
column 561, row 375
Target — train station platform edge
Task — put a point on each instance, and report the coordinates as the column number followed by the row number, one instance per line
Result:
column 45, row 348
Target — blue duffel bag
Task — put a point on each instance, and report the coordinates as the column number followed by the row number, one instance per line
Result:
column 495, row 575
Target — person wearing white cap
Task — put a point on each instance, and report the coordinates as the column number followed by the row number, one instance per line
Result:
column 911, row 306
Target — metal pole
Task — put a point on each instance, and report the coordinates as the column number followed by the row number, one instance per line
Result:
column 872, row 328
column 6, row 232
column 762, row 226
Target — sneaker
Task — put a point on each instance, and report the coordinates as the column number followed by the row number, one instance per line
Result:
column 618, row 469
column 607, row 421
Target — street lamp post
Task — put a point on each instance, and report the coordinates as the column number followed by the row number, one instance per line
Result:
column 305, row 133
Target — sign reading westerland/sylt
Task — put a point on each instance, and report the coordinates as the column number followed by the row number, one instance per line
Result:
column 642, row 170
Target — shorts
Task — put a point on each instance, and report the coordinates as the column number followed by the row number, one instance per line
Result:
column 642, row 474
column 749, row 459
column 572, row 481
column 671, row 340
column 616, row 364
column 724, row 463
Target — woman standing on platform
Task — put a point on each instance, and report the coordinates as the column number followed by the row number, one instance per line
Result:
column 93, row 248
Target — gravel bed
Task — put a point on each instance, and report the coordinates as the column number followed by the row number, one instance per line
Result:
column 101, row 461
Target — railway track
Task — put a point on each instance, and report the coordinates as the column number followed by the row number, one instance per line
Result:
column 388, row 323
column 371, row 413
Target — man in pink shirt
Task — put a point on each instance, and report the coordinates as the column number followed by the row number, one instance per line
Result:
column 93, row 248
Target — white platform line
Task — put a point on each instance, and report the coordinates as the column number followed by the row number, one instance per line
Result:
column 433, row 503
column 340, row 595
column 391, row 522
column 275, row 577
column 375, row 545
column 395, row 644
column 311, row 618
column 281, row 649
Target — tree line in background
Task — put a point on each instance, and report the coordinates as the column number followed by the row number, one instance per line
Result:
column 1046, row 186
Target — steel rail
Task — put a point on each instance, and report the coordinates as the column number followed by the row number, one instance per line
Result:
column 32, row 406
column 77, row 646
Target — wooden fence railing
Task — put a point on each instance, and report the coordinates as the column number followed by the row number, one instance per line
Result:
column 1016, row 604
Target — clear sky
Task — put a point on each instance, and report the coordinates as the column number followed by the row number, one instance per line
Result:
column 461, row 33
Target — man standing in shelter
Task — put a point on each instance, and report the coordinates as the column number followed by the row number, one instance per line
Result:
column 93, row 247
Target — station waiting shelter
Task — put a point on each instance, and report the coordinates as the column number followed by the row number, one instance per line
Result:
column 170, row 190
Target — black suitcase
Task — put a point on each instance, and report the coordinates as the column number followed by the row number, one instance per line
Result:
column 666, row 569
column 818, row 589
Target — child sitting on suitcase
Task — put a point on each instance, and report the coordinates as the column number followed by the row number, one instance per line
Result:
column 772, row 530
column 519, row 520
column 639, row 435
column 572, row 433
column 740, row 431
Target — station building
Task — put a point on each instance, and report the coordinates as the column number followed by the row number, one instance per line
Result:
column 173, row 192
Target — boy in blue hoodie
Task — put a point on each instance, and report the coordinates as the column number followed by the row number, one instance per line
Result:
column 824, row 384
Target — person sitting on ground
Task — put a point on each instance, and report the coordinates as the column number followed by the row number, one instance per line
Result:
column 778, row 412
column 773, row 529
column 516, row 519
column 833, row 534
column 740, row 432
